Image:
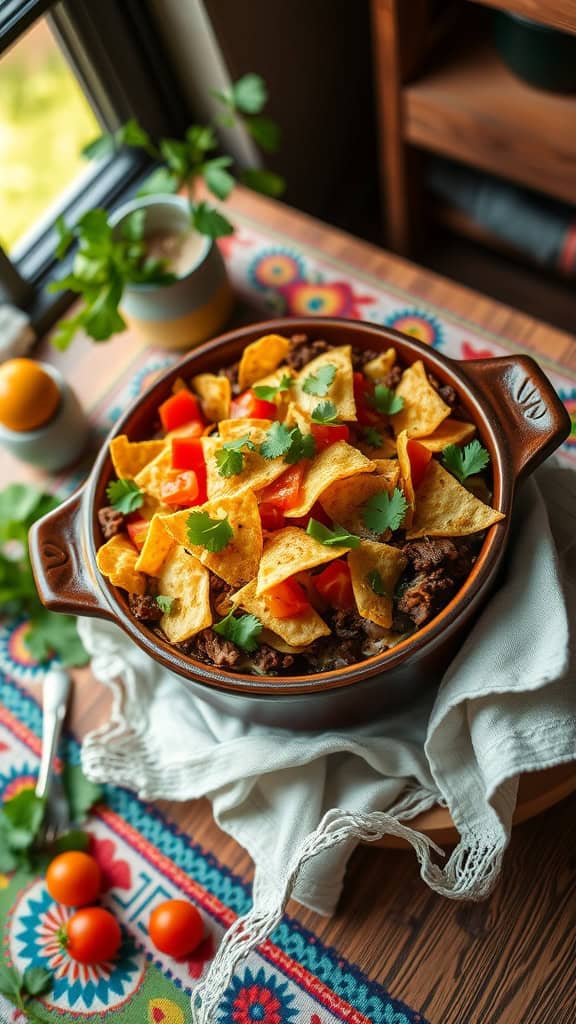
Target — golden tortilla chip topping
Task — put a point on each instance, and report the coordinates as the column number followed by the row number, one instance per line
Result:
column 446, row 509
column 289, row 551
column 116, row 560
column 338, row 461
column 185, row 580
column 423, row 410
column 312, row 384
column 129, row 457
column 449, row 432
column 406, row 477
column 156, row 547
column 378, row 368
column 344, row 500
column 256, row 473
column 156, row 473
column 215, row 393
column 298, row 631
column 261, row 358
column 375, row 570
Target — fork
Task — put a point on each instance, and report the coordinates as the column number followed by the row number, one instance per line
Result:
column 56, row 818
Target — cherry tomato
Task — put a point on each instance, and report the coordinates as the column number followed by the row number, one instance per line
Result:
column 137, row 530
column 186, row 490
column 187, row 453
column 176, row 928
column 181, row 408
column 272, row 518
column 74, row 878
column 285, row 491
column 286, row 599
column 249, row 406
column 419, row 457
column 325, row 434
column 92, row 936
column 335, row 586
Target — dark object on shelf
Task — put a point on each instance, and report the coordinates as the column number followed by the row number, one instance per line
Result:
column 542, row 228
column 539, row 55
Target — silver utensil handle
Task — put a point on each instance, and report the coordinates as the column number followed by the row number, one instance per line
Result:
column 54, row 702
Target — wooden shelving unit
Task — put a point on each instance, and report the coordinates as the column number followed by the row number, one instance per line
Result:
column 463, row 103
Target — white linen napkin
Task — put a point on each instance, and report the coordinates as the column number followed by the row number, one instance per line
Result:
column 299, row 803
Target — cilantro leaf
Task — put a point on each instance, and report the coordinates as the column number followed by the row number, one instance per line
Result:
column 269, row 391
column 372, row 437
column 81, row 793
column 465, row 462
column 218, row 179
column 319, row 383
column 10, row 981
column 50, row 634
column 385, row 512
column 324, row 412
column 303, row 446
column 208, row 221
column 374, row 581
column 249, row 94
column 242, row 631
column 339, row 537
column 124, row 495
column 36, row 981
column 212, row 534
column 230, row 457
column 287, row 441
column 385, row 401
column 164, row 603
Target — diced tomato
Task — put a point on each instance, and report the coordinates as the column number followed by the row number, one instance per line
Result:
column 286, row 599
column 181, row 408
column 335, row 586
column 326, row 434
column 187, row 453
column 137, row 530
column 249, row 406
column 285, row 491
column 185, row 490
column 317, row 513
column 363, row 390
column 271, row 516
column 419, row 457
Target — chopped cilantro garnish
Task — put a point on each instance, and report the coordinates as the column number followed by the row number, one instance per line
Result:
column 124, row 495
column 287, row 441
column 338, row 537
column 372, row 437
column 374, row 581
column 230, row 457
column 464, row 462
column 386, row 401
column 212, row 534
column 319, row 383
column 269, row 391
column 325, row 412
column 242, row 631
column 385, row 512
column 164, row 603
column 303, row 446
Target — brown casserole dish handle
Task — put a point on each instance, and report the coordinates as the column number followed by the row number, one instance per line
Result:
column 534, row 420
column 60, row 565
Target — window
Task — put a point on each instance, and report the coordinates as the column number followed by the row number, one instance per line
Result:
column 69, row 70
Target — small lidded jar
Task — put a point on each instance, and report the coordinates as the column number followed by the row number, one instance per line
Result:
column 41, row 420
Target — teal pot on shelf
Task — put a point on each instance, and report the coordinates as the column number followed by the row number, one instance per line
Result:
column 539, row 55
column 198, row 304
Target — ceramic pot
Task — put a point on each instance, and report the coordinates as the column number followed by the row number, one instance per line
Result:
column 520, row 420
column 193, row 308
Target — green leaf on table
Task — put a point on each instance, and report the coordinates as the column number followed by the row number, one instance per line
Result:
column 325, row 412
column 217, row 178
column 265, row 132
column 124, row 495
column 20, row 506
column 465, row 462
column 36, row 981
column 97, row 149
column 268, row 392
column 10, row 981
column 21, row 818
column 242, row 631
column 164, row 603
column 261, row 180
column 319, row 383
column 80, row 792
column 385, row 401
column 230, row 457
column 161, row 181
column 384, row 512
column 212, row 534
column 208, row 221
column 51, row 633
column 338, row 537
column 75, row 839
column 249, row 94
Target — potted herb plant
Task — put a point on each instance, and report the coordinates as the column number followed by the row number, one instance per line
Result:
column 154, row 264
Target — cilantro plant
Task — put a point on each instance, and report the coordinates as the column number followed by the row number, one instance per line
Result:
column 325, row 412
column 268, row 392
column 124, row 495
column 242, row 631
column 385, row 401
column 212, row 534
column 108, row 260
column 319, row 383
column 465, row 462
column 384, row 512
column 338, row 537
column 230, row 457
column 289, row 442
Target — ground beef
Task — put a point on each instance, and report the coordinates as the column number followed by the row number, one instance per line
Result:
column 302, row 350
column 436, row 565
column 216, row 650
column 269, row 661
column 361, row 356
column 232, row 373
column 145, row 608
column 393, row 377
column 426, row 595
column 219, row 590
column 434, row 552
column 347, row 625
column 111, row 521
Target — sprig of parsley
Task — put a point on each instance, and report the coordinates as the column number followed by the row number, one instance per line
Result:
column 20, row 988
column 212, row 534
column 385, row 512
column 374, row 581
column 164, row 603
column 339, row 537
column 465, row 462
column 385, row 401
column 268, row 392
column 372, row 437
column 242, row 631
column 230, row 457
column 124, row 495
column 319, row 383
column 325, row 412
column 289, row 442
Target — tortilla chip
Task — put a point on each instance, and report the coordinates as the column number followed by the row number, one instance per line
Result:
column 261, row 358
column 231, row 430
column 449, row 432
column 390, row 468
column 215, row 394
column 446, row 509
column 423, row 410
column 129, row 457
column 389, row 563
column 341, row 391
column 239, row 560
column 406, row 477
column 379, row 367
column 338, row 461
column 295, row 417
column 192, row 429
column 157, row 472
column 155, row 549
column 270, row 638
column 298, row 631
column 344, row 500
column 289, row 551
column 256, row 474
column 188, row 582
column 116, row 560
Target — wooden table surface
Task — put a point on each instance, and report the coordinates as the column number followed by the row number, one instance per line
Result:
column 509, row 960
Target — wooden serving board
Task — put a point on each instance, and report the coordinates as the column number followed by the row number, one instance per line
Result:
column 536, row 793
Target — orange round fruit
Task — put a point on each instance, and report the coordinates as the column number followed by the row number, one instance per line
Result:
column 29, row 396
column 176, row 928
column 74, row 879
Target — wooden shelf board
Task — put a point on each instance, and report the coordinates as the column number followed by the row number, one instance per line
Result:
column 556, row 13
column 472, row 108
